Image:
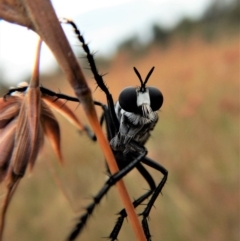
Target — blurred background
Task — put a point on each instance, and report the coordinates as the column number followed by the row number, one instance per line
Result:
column 196, row 61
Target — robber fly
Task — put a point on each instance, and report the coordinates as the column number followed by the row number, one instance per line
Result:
column 128, row 125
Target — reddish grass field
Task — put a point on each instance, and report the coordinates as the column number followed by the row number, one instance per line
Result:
column 196, row 139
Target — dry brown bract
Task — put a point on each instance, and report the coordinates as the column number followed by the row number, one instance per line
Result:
column 24, row 119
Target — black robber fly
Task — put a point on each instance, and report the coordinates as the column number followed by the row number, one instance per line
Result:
column 129, row 123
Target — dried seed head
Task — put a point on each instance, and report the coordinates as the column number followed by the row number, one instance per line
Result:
column 20, row 135
column 24, row 119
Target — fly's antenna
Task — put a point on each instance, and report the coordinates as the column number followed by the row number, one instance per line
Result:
column 143, row 83
column 142, row 88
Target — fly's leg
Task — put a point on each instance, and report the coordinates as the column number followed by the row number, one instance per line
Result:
column 154, row 191
column 96, row 200
column 123, row 214
column 157, row 191
column 99, row 80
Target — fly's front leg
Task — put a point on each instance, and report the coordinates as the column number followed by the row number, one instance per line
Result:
column 12, row 90
column 53, row 97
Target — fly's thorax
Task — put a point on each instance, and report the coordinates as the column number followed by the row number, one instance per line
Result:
column 132, row 127
column 136, row 119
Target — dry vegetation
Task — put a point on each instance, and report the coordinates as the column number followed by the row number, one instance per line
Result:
column 196, row 139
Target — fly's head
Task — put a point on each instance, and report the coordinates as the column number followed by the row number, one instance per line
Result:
column 143, row 100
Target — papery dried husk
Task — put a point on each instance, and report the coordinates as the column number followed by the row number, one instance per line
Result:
column 60, row 106
column 9, row 109
column 51, row 129
column 38, row 147
column 27, row 132
column 6, row 147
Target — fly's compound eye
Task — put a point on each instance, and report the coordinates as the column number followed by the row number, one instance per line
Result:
column 128, row 99
column 156, row 98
